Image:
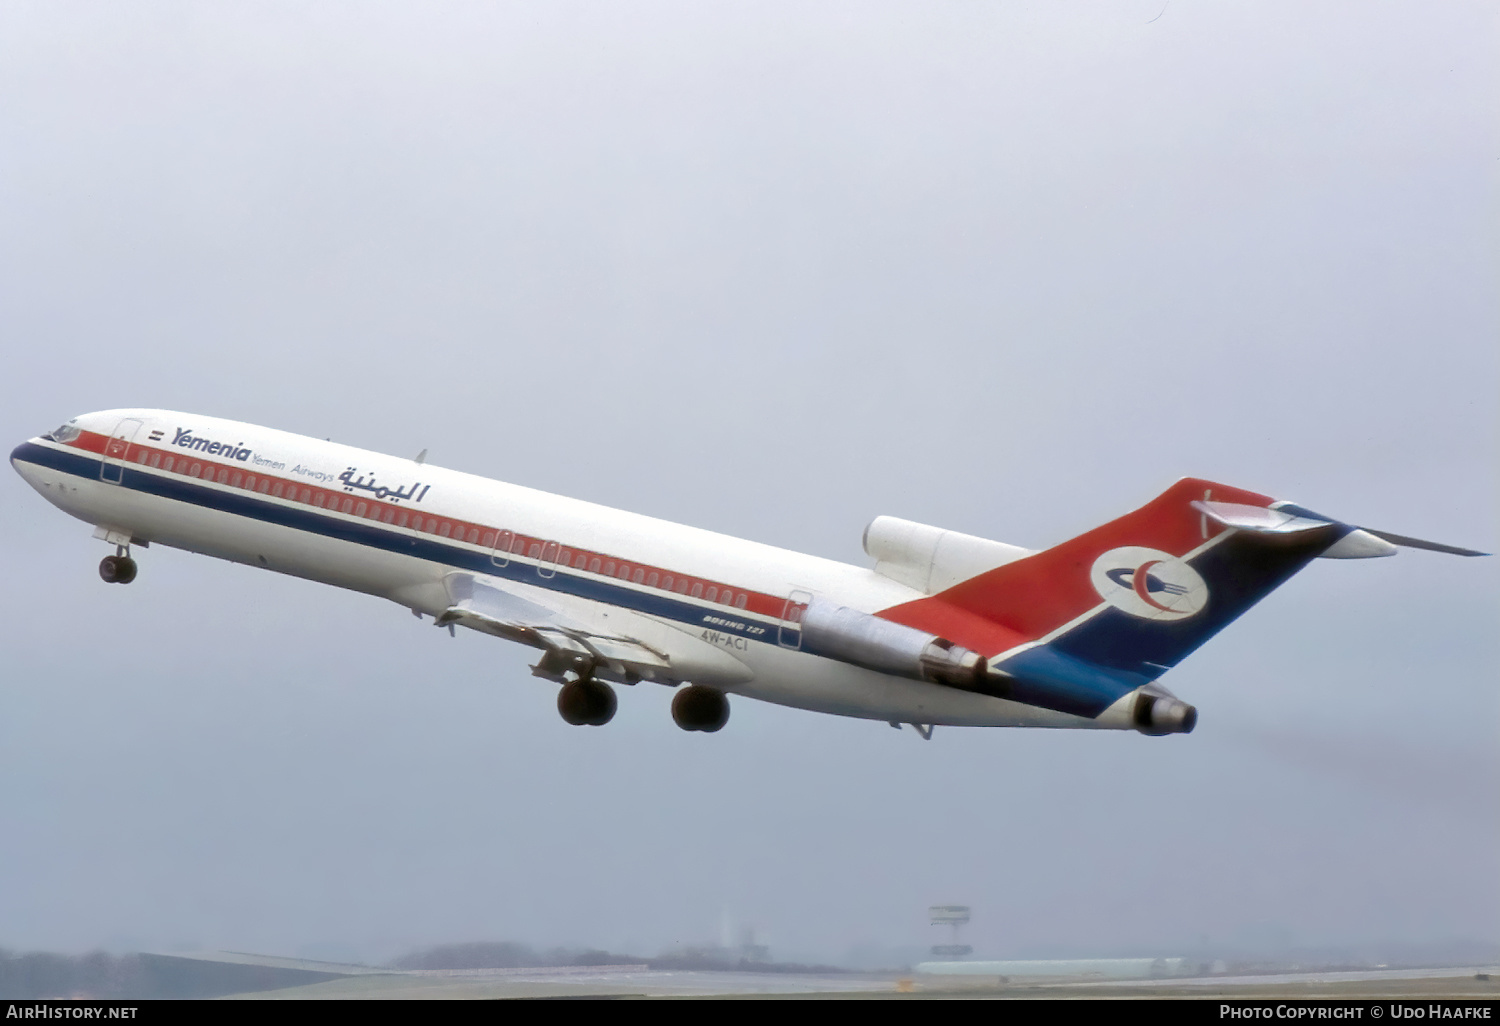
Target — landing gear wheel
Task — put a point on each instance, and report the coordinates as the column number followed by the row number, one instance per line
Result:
column 587, row 703
column 698, row 708
column 117, row 569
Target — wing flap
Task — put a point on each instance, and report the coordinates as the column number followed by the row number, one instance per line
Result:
column 631, row 649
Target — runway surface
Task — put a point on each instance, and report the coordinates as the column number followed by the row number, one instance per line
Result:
column 640, row 982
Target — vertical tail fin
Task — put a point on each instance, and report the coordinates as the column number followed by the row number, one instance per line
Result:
column 1077, row 626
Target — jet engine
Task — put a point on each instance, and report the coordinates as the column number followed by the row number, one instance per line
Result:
column 932, row 559
column 839, row 632
column 1163, row 714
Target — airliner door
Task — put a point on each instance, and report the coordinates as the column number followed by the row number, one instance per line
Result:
column 790, row 633
column 112, row 469
column 500, row 554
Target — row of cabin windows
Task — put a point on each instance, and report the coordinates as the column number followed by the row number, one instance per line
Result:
column 432, row 525
column 652, row 578
column 309, row 496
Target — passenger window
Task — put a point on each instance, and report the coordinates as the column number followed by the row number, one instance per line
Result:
column 489, row 539
column 401, row 519
column 594, row 567
column 223, row 477
column 581, row 561
column 238, row 479
column 609, row 568
column 156, row 459
column 697, row 591
column 168, row 464
column 739, row 603
column 250, row 482
column 359, row 510
column 564, row 557
column 197, row 469
column 318, row 500
column 446, row 529
column 639, row 577
column 141, row 457
column 666, row 583
column 473, row 536
column 264, row 486
column 276, row 489
column 624, row 573
column 307, row 497
column 713, row 595
column 651, row 581
column 682, row 588
column 534, row 551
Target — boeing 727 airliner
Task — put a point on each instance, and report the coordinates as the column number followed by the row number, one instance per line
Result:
column 946, row 628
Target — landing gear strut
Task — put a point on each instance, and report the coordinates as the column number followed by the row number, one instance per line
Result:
column 587, row 702
column 119, row 568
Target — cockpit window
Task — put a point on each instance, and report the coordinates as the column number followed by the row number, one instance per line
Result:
column 66, row 433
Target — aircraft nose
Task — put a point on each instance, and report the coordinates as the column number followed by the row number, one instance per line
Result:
column 22, row 465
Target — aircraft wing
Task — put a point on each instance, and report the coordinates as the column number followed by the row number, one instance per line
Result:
column 616, row 645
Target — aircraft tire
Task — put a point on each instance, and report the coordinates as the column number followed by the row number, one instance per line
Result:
column 698, row 708
column 109, row 569
column 127, row 569
column 587, row 703
column 604, row 704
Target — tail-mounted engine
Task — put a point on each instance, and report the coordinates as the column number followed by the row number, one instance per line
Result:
column 839, row 632
column 1163, row 714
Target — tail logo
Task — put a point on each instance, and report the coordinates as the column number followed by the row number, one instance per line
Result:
column 1148, row 583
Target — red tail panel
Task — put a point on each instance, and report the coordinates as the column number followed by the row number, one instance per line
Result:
column 1027, row 599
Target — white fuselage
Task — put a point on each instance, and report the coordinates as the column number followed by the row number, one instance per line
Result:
column 397, row 529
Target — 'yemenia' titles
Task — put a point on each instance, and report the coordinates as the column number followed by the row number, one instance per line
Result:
column 187, row 440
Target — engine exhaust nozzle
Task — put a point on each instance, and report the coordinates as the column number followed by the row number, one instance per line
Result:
column 1163, row 714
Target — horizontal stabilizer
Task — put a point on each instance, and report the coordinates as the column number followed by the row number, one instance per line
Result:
column 1418, row 543
column 1257, row 519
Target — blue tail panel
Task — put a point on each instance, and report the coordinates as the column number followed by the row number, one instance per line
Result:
column 1239, row 572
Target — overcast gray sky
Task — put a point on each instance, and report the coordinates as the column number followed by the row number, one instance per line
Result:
column 770, row 269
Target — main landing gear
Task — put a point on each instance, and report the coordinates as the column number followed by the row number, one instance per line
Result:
column 696, row 707
column 119, row 568
column 587, row 703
